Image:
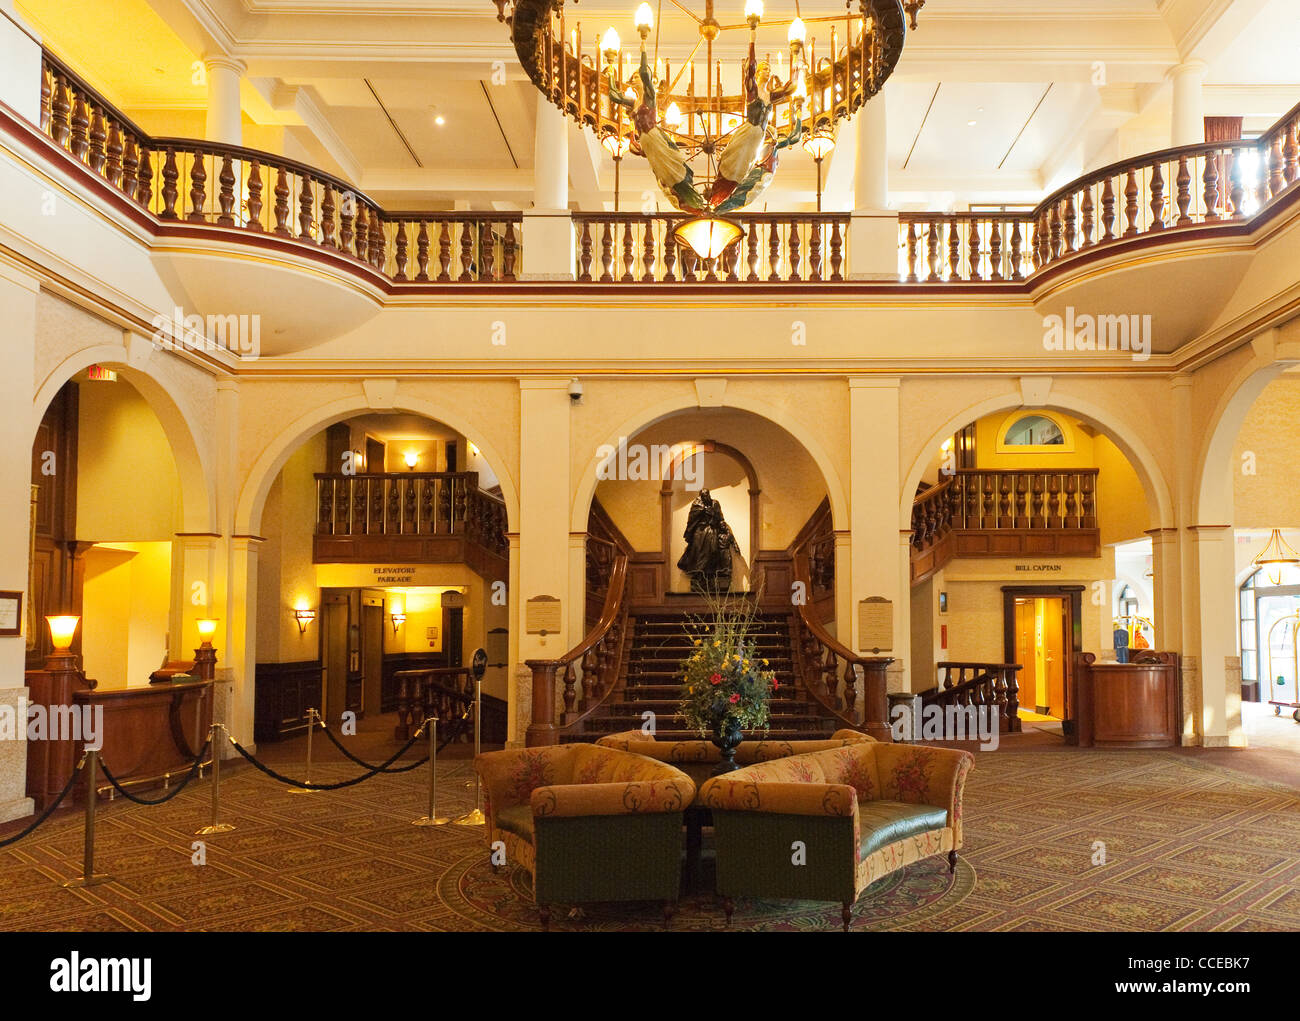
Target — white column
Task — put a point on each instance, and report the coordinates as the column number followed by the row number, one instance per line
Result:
column 20, row 64
column 18, row 296
column 873, row 229
column 1220, row 669
column 548, row 230
column 225, row 121
column 1189, row 103
column 873, row 514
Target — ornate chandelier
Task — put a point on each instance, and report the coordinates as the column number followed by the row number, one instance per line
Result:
column 711, row 134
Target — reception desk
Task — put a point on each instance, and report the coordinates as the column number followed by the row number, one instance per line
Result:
column 1128, row 705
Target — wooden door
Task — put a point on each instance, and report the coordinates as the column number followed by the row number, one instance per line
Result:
column 334, row 636
column 1026, row 653
column 1055, row 622
column 372, row 657
column 453, row 632
column 376, row 454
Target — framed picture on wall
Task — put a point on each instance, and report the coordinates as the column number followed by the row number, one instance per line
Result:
column 11, row 614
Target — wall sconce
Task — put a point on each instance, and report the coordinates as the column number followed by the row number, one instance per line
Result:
column 304, row 617
column 398, row 620
column 207, row 628
column 412, row 459
column 62, row 628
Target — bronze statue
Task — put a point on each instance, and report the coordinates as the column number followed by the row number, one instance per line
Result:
column 709, row 545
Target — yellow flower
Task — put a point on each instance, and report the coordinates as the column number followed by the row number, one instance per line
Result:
column 697, row 641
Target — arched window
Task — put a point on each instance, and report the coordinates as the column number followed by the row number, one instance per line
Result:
column 1035, row 431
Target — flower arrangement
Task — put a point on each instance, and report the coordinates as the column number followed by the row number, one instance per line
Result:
column 726, row 685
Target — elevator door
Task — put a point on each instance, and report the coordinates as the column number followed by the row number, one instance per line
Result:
column 1040, row 629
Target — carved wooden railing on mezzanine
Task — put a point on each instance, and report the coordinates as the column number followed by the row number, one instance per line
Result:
column 778, row 247
column 585, row 676
column 831, row 671
column 188, row 181
column 981, row 685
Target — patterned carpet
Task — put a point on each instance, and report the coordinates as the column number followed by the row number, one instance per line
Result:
column 1189, row 845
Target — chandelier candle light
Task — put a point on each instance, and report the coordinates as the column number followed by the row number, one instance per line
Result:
column 711, row 135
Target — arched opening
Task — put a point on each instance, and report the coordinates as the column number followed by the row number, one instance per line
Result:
column 383, row 568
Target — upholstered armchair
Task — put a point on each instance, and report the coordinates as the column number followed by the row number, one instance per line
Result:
column 589, row 824
column 859, row 812
column 699, row 758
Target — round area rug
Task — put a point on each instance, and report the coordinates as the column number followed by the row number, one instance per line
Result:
column 503, row 901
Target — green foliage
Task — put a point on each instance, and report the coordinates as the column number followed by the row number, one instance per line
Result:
column 724, row 681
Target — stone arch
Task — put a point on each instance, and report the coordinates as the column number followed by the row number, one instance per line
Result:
column 262, row 474
column 198, row 497
column 586, row 489
column 1158, row 494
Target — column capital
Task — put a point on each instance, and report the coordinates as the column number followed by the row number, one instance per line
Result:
column 545, row 383
column 224, row 62
column 1186, row 68
column 875, row 382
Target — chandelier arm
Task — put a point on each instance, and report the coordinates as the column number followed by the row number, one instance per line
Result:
column 685, row 10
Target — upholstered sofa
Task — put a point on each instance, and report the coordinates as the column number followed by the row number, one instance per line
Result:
column 590, row 824
column 699, row 758
column 851, row 815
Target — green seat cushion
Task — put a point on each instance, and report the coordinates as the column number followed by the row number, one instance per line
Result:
column 884, row 822
column 517, row 819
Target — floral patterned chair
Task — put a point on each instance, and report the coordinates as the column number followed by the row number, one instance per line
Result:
column 698, row 758
column 589, row 824
column 859, row 812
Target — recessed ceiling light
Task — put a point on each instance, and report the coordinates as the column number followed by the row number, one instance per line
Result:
column 970, row 124
column 440, row 120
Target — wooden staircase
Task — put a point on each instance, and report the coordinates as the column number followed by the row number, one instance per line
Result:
column 649, row 681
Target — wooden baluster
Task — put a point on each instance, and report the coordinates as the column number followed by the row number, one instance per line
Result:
column 1016, row 242
column 670, row 252
column 198, row 187
column 444, row 252
column 732, row 258
column 570, row 696
column 1131, row 204
column 995, row 250
column 1037, row 511
column 487, row 269
column 282, row 203
column 96, row 155
column 47, row 92
column 226, row 198
column 1068, row 221
column 590, row 667
column 1108, row 210
column 327, row 210
column 1020, row 518
column 648, row 251
column 1053, row 507
column 607, row 254
column 932, row 252
column 1210, row 179
column 361, row 242
column 80, row 140
column 1291, row 154
column 988, row 512
column 815, row 250
column 1237, row 192
column 1157, row 198
column 306, row 207
column 113, row 156
column 1071, row 509
column 792, row 247
column 60, row 111
column 422, row 253
column 130, row 166
column 830, row 678
column 509, row 252
column 628, row 258
column 690, row 263
column 378, row 250
column 973, row 243
column 1276, row 179
column 773, row 250
column 170, row 193
column 1088, row 500
column 144, row 187
column 911, row 251
column 466, row 252
column 850, row 690
column 751, row 250
column 1089, row 210
column 1005, row 520
column 255, row 186
column 954, row 250
column 1057, row 237
column 584, row 252
column 347, row 217
column 401, row 255
column 1184, row 184
column 837, row 253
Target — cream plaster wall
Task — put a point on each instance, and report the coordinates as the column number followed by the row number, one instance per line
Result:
column 1269, row 497
column 126, row 603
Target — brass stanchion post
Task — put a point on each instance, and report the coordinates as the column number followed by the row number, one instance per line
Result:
column 432, row 818
column 88, row 875
column 313, row 717
column 476, row 817
column 216, row 826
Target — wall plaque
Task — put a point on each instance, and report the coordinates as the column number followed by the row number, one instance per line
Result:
column 875, row 625
column 542, row 615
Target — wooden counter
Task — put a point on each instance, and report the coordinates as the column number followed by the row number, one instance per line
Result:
column 1128, row 705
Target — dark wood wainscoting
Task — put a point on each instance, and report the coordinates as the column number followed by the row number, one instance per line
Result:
column 284, row 692
column 493, row 730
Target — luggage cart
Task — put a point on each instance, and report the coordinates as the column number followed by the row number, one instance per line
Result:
column 1281, row 687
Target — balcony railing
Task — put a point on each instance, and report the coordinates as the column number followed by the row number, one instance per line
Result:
column 196, row 184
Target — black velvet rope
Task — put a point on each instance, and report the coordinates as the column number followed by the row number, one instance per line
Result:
column 194, row 771
column 369, row 765
column 44, row 815
column 324, row 786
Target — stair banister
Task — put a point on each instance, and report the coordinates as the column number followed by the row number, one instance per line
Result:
column 543, row 729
